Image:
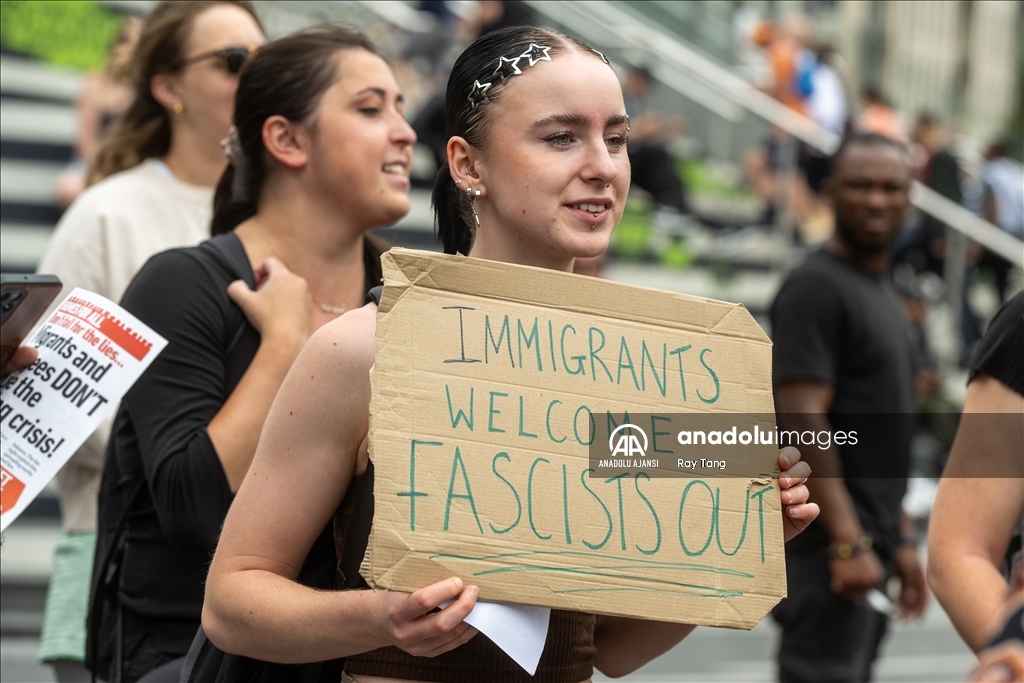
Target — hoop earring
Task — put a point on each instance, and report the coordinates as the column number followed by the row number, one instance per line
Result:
column 178, row 109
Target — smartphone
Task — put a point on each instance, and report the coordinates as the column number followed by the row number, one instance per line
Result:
column 23, row 300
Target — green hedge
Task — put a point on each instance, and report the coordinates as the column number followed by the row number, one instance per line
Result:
column 70, row 34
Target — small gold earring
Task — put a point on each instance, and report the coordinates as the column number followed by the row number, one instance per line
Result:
column 179, row 110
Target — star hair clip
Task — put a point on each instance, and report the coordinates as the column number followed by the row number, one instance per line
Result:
column 506, row 69
column 536, row 53
column 478, row 94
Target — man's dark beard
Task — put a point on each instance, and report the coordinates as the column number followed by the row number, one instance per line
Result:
column 854, row 243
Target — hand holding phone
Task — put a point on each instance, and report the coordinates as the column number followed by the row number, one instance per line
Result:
column 23, row 300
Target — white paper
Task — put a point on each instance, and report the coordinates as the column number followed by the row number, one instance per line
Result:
column 91, row 351
column 519, row 630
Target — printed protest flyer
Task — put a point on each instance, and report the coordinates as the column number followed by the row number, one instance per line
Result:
column 91, row 351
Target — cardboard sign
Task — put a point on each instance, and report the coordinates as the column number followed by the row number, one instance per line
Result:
column 492, row 392
column 91, row 351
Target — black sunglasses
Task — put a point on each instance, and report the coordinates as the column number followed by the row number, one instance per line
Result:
column 232, row 59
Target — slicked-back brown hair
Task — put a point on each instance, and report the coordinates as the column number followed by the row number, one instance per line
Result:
column 288, row 78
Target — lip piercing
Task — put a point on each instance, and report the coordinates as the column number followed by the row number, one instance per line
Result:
column 593, row 227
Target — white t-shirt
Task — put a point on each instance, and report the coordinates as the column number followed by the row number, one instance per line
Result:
column 1005, row 178
column 100, row 243
column 827, row 101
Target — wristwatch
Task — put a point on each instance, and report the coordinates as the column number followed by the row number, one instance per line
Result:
column 845, row 550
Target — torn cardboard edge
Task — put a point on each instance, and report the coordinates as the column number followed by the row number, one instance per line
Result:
column 482, row 278
column 399, row 560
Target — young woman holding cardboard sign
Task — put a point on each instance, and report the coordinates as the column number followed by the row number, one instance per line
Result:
column 537, row 175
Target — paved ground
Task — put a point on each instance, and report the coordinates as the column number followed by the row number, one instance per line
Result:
column 929, row 652
column 925, row 652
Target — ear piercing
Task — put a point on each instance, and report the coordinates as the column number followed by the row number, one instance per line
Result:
column 458, row 181
column 474, row 195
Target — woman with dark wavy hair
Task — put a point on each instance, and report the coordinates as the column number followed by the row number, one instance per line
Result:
column 319, row 154
column 537, row 175
column 152, row 182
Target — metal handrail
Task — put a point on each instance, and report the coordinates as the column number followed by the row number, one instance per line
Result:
column 603, row 23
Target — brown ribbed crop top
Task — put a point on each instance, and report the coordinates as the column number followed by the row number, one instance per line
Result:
column 568, row 655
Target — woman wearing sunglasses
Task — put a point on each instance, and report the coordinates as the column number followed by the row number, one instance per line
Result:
column 319, row 154
column 151, row 189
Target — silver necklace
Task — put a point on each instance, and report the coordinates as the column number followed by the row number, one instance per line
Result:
column 326, row 308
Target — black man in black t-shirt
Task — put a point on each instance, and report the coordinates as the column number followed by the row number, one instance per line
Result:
column 843, row 363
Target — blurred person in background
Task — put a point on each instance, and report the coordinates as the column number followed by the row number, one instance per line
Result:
column 153, row 178
column 487, row 16
column 972, row 547
column 104, row 96
column 826, row 104
column 938, row 168
column 1002, row 181
column 925, row 247
column 494, row 14
column 879, row 117
column 653, row 167
column 785, row 47
column 841, row 351
column 319, row 154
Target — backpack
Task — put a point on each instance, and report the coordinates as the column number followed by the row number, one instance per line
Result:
column 104, row 629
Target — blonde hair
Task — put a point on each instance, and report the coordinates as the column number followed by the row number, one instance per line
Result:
column 144, row 130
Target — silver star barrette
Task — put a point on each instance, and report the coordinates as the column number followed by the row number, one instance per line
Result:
column 536, row 53
column 507, row 68
column 478, row 95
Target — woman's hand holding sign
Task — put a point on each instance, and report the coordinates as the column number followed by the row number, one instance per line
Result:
column 415, row 622
column 797, row 512
column 624, row 645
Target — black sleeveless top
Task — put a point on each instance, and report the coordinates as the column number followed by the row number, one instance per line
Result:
column 568, row 655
